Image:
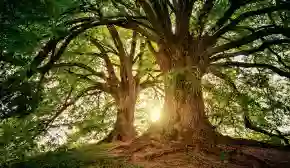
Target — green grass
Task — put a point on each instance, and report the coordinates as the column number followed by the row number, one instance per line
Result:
column 90, row 156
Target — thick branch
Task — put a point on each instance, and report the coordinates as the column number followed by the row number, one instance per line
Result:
column 140, row 57
column 109, row 65
column 151, row 15
column 83, row 66
column 127, row 22
column 163, row 18
column 125, row 64
column 265, row 44
column 250, row 38
column 234, row 5
column 255, row 65
column 42, row 54
column 117, row 41
column 246, row 15
column 253, row 127
column 183, row 14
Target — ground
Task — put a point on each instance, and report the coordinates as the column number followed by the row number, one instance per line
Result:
column 149, row 153
column 153, row 154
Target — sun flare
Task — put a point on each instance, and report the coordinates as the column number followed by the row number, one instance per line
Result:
column 155, row 114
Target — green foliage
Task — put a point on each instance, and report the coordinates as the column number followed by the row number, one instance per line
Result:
column 84, row 157
column 16, row 140
column 18, row 98
column 25, row 23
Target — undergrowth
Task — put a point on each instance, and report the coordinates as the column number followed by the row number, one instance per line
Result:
column 90, row 156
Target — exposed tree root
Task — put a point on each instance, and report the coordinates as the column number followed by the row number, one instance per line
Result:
column 153, row 153
column 160, row 153
column 115, row 135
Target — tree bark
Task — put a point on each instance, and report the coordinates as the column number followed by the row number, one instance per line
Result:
column 124, row 129
column 185, row 117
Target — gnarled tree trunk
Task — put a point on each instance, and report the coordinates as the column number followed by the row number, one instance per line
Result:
column 184, row 117
column 124, row 129
column 184, row 104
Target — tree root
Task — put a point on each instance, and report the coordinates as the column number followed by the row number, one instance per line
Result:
column 146, row 149
column 160, row 153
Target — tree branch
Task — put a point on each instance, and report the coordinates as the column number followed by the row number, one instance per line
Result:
column 42, row 54
column 246, row 15
column 83, row 66
column 140, row 57
column 265, row 44
column 151, row 15
column 250, row 38
column 234, row 5
column 279, row 58
column 202, row 18
column 133, row 46
column 253, row 127
column 82, row 76
column 247, row 121
column 117, row 41
column 63, row 107
column 125, row 64
column 255, row 65
column 109, row 65
column 183, row 14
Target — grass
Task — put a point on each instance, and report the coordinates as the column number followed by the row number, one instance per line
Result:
column 90, row 156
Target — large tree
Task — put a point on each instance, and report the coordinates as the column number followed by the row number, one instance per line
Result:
column 113, row 63
column 124, row 75
column 198, row 37
column 193, row 38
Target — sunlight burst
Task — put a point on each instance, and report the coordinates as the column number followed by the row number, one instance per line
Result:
column 155, row 114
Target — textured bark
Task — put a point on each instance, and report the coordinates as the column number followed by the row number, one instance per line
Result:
column 123, row 129
column 184, row 117
column 184, row 106
column 124, row 126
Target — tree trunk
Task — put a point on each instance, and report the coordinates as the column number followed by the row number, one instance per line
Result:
column 124, row 129
column 184, row 114
column 185, row 117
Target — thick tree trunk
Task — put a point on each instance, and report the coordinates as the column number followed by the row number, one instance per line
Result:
column 184, row 117
column 124, row 129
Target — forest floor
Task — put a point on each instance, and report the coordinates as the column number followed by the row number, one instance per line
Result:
column 154, row 154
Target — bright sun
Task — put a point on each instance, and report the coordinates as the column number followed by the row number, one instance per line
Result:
column 155, row 113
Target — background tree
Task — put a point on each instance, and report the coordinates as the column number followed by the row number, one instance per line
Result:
column 121, row 73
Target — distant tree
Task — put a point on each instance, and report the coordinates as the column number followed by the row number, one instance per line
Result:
column 122, row 73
